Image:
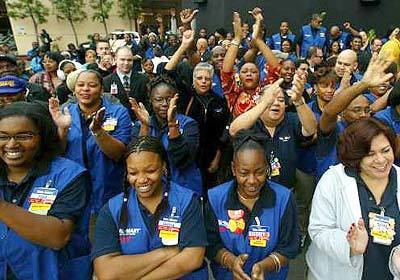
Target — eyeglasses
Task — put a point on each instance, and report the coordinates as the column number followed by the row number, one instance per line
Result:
column 21, row 137
column 359, row 110
column 161, row 100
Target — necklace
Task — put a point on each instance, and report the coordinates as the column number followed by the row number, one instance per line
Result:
column 246, row 199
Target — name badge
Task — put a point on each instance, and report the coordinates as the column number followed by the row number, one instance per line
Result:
column 114, row 89
column 382, row 228
column 110, row 124
column 275, row 165
column 169, row 231
column 258, row 235
column 41, row 200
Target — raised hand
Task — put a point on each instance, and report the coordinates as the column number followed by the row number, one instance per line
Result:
column 257, row 273
column 159, row 19
column 97, row 120
column 237, row 26
column 347, row 25
column 237, row 268
column 140, row 111
column 296, row 92
column 270, row 92
column 171, row 113
column 257, row 14
column 187, row 38
column 375, row 73
column 187, row 15
column 63, row 119
column 357, row 238
column 346, row 80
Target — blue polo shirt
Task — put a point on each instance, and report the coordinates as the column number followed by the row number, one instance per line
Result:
column 307, row 161
column 283, row 146
column 326, row 152
column 376, row 257
column 390, row 117
column 107, row 239
column 276, row 209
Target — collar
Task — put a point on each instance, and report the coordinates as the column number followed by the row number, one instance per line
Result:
column 121, row 75
column 37, row 170
column 267, row 198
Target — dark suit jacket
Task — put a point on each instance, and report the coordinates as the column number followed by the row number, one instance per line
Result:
column 138, row 85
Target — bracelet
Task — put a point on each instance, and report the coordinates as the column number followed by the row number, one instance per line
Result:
column 223, row 259
column 173, row 124
column 277, row 262
column 235, row 43
column 97, row 133
column 301, row 102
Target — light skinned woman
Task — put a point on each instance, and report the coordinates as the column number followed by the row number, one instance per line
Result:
column 355, row 215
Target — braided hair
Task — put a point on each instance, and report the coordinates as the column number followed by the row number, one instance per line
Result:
column 159, row 81
column 145, row 144
column 250, row 140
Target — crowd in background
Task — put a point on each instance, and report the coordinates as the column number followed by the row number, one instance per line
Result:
column 142, row 154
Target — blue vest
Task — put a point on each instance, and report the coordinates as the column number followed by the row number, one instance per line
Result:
column 136, row 239
column 309, row 40
column 343, row 40
column 324, row 162
column 189, row 177
column 277, row 40
column 32, row 261
column 107, row 176
column 238, row 243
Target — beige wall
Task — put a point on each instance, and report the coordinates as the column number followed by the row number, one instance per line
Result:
column 24, row 33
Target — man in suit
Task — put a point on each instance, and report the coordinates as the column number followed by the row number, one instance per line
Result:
column 125, row 83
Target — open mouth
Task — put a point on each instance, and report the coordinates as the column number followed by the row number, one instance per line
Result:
column 13, row 154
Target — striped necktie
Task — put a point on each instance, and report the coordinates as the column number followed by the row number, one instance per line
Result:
column 126, row 84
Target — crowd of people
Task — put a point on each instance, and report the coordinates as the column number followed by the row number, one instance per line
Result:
column 182, row 154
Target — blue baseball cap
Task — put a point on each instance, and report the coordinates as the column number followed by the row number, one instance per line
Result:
column 11, row 85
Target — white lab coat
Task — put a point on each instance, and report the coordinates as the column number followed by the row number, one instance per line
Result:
column 335, row 206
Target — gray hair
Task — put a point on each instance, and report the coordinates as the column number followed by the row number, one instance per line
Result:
column 203, row 66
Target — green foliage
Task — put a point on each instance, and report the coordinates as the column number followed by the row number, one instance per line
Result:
column 130, row 9
column 101, row 9
column 27, row 9
column 70, row 10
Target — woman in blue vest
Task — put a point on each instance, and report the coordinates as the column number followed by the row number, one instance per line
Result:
column 95, row 131
column 43, row 199
column 154, row 229
column 251, row 222
column 179, row 134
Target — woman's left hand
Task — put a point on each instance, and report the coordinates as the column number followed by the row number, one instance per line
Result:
column 357, row 238
column 97, row 121
column 257, row 273
column 171, row 113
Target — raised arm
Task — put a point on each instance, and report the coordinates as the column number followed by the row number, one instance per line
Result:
column 230, row 56
column 187, row 42
column 306, row 116
column 373, row 76
column 108, row 144
column 249, row 118
column 257, row 40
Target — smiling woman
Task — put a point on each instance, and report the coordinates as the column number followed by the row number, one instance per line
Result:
column 43, row 214
column 251, row 221
column 355, row 210
column 154, row 230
